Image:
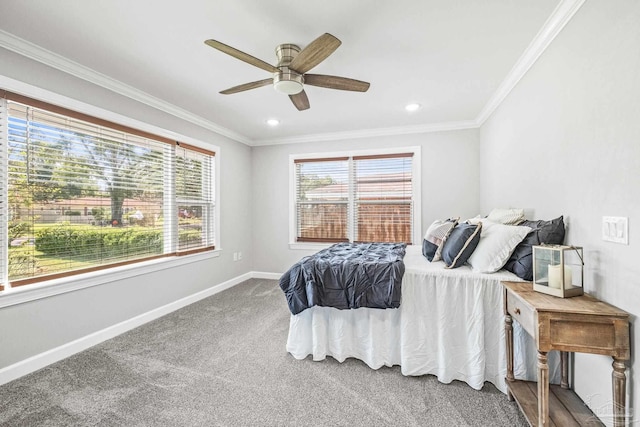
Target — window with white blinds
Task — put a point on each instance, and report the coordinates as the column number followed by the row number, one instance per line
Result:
column 81, row 194
column 322, row 199
column 383, row 199
column 355, row 198
column 194, row 197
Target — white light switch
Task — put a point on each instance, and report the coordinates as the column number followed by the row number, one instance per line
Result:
column 615, row 229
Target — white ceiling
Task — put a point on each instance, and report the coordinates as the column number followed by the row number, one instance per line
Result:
column 449, row 56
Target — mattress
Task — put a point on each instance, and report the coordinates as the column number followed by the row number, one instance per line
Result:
column 450, row 324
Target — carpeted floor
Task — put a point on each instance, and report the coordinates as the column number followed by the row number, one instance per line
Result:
column 222, row 362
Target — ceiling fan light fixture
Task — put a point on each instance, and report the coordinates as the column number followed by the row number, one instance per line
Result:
column 289, row 87
column 288, row 81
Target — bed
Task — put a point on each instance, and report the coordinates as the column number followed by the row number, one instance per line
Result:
column 450, row 324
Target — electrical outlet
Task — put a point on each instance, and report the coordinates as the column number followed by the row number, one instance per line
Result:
column 615, row 229
column 235, row 256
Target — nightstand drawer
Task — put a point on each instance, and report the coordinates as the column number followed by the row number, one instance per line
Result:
column 521, row 312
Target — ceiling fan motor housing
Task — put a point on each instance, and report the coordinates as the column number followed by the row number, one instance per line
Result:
column 286, row 80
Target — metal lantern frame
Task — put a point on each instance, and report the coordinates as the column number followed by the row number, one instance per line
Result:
column 551, row 271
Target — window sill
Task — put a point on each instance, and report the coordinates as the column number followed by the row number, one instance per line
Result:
column 50, row 288
column 309, row 246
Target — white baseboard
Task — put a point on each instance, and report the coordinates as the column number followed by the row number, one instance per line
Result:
column 53, row 355
column 265, row 275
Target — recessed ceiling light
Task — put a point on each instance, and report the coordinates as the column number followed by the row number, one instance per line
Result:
column 273, row 122
column 412, row 107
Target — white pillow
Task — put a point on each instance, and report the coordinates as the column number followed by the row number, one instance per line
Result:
column 506, row 216
column 497, row 243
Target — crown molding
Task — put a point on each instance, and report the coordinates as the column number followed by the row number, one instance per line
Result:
column 44, row 56
column 561, row 15
column 370, row 133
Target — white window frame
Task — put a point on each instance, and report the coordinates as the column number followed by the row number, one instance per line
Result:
column 416, row 191
column 47, row 288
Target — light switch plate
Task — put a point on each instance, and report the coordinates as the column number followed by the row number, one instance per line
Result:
column 615, row 229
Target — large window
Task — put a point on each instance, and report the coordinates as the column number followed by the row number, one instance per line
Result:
column 357, row 197
column 80, row 194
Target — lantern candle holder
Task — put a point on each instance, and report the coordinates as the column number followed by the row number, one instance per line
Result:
column 558, row 270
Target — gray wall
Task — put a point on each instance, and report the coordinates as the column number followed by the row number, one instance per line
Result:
column 450, row 175
column 31, row 328
column 566, row 141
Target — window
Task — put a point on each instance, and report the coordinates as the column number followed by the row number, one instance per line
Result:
column 357, row 197
column 194, row 197
column 322, row 199
column 79, row 193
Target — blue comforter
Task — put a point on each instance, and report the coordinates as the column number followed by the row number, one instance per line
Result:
column 346, row 276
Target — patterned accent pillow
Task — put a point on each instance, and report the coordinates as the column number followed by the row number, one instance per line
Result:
column 507, row 216
column 461, row 243
column 435, row 237
column 550, row 232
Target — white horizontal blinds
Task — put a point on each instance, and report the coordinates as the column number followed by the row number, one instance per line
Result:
column 194, row 198
column 81, row 195
column 322, row 199
column 383, row 198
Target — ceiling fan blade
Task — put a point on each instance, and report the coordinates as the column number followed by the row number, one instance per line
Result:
column 316, row 52
column 334, row 82
column 300, row 100
column 238, row 54
column 247, row 86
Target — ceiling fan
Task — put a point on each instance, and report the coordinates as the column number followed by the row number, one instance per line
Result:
column 290, row 74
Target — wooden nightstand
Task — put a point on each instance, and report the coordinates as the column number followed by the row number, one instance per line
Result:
column 579, row 324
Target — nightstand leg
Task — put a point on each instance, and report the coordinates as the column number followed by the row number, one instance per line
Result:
column 508, row 328
column 564, row 367
column 619, row 392
column 543, row 390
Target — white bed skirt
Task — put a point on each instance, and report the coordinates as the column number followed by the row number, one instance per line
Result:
column 450, row 324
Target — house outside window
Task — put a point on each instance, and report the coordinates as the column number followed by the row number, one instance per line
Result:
column 368, row 196
column 80, row 194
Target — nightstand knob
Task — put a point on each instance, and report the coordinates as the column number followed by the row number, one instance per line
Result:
column 517, row 310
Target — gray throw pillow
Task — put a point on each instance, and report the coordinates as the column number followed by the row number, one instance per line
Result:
column 543, row 232
column 461, row 243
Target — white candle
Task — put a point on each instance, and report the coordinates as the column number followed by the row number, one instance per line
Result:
column 555, row 278
column 567, row 276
